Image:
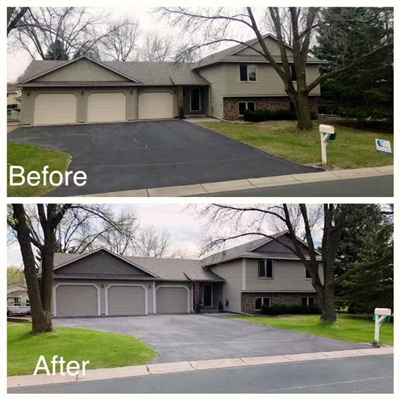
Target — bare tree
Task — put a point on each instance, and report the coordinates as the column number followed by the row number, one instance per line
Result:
column 14, row 15
column 156, row 48
column 79, row 30
column 49, row 217
column 252, row 221
column 298, row 23
column 121, row 43
column 150, row 243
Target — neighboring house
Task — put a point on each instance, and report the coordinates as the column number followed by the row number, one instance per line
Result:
column 17, row 295
column 241, row 279
column 221, row 85
column 13, row 96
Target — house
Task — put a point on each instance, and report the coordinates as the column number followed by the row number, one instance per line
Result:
column 13, row 96
column 17, row 295
column 240, row 279
column 221, row 85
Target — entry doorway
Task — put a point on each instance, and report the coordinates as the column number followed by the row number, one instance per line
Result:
column 207, row 295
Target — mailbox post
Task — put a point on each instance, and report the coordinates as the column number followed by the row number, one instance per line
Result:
column 327, row 133
column 380, row 316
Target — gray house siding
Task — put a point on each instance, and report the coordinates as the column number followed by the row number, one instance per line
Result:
column 288, row 276
column 232, row 273
column 276, row 249
column 100, row 263
column 215, row 74
column 268, row 82
column 82, row 71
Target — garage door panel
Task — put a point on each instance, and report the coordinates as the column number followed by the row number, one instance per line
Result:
column 106, row 107
column 76, row 301
column 171, row 300
column 53, row 109
column 156, row 105
column 126, row 300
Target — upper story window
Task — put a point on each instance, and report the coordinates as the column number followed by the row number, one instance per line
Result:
column 293, row 73
column 247, row 73
column 308, row 276
column 265, row 269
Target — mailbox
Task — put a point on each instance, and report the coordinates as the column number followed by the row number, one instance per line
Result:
column 383, row 311
column 380, row 315
column 327, row 133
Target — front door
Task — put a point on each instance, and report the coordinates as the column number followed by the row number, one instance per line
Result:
column 195, row 100
column 207, row 295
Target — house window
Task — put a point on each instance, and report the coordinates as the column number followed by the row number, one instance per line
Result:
column 195, row 99
column 260, row 301
column 265, row 269
column 307, row 301
column 246, row 105
column 293, row 73
column 308, row 276
column 248, row 73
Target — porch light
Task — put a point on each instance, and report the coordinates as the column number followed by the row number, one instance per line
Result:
column 82, row 92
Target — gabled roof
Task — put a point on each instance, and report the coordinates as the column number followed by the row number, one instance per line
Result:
column 230, row 55
column 170, row 269
column 37, row 69
column 63, row 259
column 138, row 73
column 249, row 250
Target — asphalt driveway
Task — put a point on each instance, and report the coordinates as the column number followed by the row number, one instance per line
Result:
column 138, row 155
column 205, row 337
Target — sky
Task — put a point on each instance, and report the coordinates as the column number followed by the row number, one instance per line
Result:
column 186, row 226
column 18, row 61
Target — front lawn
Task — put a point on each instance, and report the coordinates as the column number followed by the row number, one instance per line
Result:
column 345, row 328
column 103, row 350
column 353, row 148
column 33, row 159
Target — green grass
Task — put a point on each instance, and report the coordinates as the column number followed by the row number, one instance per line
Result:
column 353, row 148
column 345, row 328
column 33, row 159
column 103, row 350
column 12, row 120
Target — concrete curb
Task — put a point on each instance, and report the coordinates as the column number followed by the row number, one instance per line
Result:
column 189, row 366
column 251, row 183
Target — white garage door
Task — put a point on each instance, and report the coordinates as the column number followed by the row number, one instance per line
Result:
column 106, row 107
column 155, row 105
column 53, row 109
column 126, row 300
column 172, row 300
column 76, row 301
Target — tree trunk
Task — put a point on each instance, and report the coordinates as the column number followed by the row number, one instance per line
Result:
column 328, row 313
column 304, row 122
column 41, row 320
column 47, row 256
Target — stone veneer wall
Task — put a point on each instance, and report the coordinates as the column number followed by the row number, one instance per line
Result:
column 249, row 299
column 231, row 106
column 196, row 294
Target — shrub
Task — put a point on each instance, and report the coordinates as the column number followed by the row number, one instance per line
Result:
column 268, row 115
column 292, row 309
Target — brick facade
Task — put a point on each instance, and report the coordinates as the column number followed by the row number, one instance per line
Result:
column 249, row 299
column 180, row 98
column 231, row 105
column 197, row 294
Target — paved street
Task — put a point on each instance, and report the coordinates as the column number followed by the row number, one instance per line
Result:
column 370, row 374
column 203, row 337
column 381, row 186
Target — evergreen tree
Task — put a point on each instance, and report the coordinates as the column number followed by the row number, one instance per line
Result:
column 367, row 235
column 56, row 51
column 365, row 91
